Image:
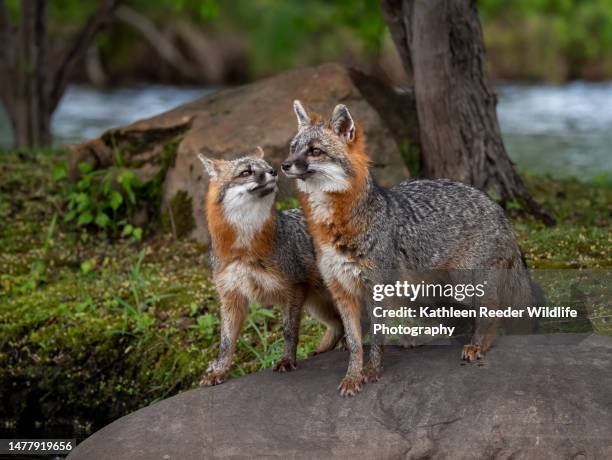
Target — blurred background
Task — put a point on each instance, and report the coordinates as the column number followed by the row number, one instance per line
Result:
column 551, row 61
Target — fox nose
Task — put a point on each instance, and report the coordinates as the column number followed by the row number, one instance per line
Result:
column 264, row 176
column 286, row 165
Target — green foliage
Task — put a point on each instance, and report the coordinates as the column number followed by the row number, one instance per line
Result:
column 284, row 34
column 287, row 203
column 580, row 29
column 258, row 321
column 411, row 154
column 554, row 39
column 206, row 325
column 102, row 199
column 137, row 313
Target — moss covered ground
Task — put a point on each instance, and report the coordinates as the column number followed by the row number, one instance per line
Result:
column 93, row 326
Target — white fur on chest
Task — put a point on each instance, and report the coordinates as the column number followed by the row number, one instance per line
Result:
column 320, row 206
column 246, row 213
column 328, row 178
column 335, row 266
column 250, row 282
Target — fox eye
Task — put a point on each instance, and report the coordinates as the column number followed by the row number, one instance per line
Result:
column 315, row 152
column 245, row 173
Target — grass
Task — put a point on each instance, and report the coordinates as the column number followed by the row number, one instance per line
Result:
column 93, row 327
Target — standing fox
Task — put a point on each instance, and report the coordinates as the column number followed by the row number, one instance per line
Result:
column 261, row 255
column 361, row 231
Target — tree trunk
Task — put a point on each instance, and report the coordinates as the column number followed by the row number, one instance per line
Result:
column 25, row 95
column 441, row 46
column 29, row 88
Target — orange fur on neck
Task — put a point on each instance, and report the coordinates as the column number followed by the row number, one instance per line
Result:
column 223, row 234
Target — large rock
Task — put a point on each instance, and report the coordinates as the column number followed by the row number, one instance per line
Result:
column 533, row 397
column 234, row 121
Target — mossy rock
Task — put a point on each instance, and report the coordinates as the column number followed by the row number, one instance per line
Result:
column 177, row 216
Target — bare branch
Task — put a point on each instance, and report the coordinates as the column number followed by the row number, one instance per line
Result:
column 397, row 15
column 164, row 47
column 78, row 48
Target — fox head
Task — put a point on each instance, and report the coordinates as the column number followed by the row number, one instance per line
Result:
column 328, row 156
column 243, row 189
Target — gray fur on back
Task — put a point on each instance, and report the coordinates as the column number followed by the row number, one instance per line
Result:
column 425, row 222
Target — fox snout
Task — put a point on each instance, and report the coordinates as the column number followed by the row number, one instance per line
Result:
column 265, row 182
column 295, row 166
column 263, row 177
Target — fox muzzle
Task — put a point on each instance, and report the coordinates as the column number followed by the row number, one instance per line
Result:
column 296, row 167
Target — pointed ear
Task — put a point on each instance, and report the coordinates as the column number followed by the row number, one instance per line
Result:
column 342, row 123
column 302, row 115
column 259, row 152
column 211, row 166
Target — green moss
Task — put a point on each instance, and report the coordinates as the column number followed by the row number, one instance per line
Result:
column 582, row 237
column 178, row 216
column 152, row 191
column 128, row 143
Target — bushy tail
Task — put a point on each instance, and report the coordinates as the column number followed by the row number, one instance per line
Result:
column 519, row 291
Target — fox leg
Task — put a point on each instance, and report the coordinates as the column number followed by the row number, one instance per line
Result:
column 484, row 335
column 482, row 340
column 233, row 311
column 323, row 310
column 291, row 330
column 349, row 307
column 373, row 369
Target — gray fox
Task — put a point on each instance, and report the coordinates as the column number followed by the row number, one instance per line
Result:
column 360, row 230
column 259, row 254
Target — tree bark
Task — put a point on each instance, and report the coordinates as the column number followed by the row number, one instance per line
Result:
column 25, row 94
column 441, row 45
column 30, row 88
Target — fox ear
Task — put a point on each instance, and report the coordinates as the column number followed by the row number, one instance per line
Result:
column 342, row 123
column 211, row 166
column 302, row 115
column 259, row 152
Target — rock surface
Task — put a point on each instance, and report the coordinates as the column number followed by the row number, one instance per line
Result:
column 234, row 121
column 533, row 397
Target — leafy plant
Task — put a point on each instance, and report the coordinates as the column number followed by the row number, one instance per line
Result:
column 102, row 199
column 259, row 323
column 205, row 325
column 137, row 317
column 288, row 203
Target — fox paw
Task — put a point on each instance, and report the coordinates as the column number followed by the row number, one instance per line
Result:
column 284, row 365
column 372, row 373
column 471, row 353
column 350, row 386
column 213, row 378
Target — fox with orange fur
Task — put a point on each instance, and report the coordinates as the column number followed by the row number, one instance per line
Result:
column 362, row 232
column 261, row 255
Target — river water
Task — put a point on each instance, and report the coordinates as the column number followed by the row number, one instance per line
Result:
column 560, row 130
